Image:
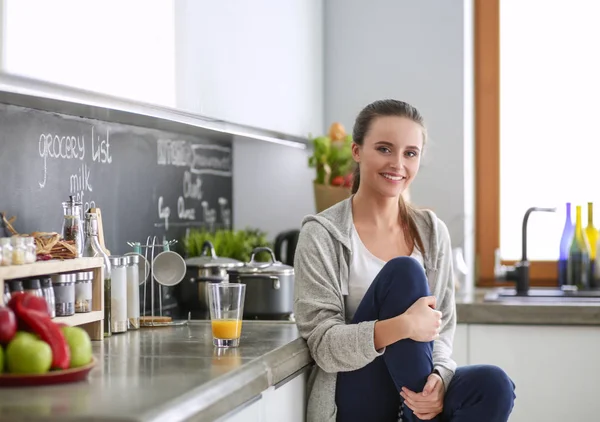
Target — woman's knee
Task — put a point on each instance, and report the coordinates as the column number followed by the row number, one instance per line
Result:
column 496, row 385
column 408, row 275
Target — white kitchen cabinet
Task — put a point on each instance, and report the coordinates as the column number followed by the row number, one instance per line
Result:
column 460, row 348
column 555, row 368
column 258, row 63
column 286, row 402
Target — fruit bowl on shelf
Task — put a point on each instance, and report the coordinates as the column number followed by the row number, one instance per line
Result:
column 62, row 376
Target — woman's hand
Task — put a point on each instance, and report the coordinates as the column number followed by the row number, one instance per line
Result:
column 428, row 404
column 424, row 320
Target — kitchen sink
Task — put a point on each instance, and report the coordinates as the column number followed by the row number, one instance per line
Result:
column 543, row 295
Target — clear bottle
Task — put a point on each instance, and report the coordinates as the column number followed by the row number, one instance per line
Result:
column 118, row 294
column 578, row 265
column 19, row 249
column 7, row 251
column 71, row 228
column 133, row 292
column 565, row 243
column 92, row 248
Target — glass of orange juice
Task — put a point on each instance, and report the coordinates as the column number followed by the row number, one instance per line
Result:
column 226, row 303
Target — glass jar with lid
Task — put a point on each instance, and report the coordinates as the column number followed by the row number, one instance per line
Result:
column 33, row 286
column 64, row 293
column 71, row 227
column 7, row 251
column 48, row 292
column 83, row 291
column 30, row 250
column 19, row 249
column 7, row 295
column 15, row 286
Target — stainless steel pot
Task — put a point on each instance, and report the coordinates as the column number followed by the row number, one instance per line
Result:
column 209, row 268
column 269, row 286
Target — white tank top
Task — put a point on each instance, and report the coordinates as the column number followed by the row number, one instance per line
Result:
column 364, row 267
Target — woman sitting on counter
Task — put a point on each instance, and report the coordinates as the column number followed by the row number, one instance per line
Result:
column 374, row 294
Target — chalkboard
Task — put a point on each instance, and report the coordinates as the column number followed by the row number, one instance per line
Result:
column 145, row 181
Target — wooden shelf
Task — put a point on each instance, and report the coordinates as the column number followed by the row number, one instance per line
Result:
column 48, row 267
column 92, row 322
column 80, row 319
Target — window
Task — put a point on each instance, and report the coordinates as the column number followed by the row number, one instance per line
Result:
column 536, row 86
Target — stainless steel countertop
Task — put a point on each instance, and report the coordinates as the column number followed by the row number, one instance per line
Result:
column 474, row 310
column 167, row 374
column 175, row 373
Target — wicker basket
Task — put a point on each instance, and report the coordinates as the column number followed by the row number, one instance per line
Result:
column 327, row 195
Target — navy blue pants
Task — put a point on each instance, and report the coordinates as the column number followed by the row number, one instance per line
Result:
column 476, row 393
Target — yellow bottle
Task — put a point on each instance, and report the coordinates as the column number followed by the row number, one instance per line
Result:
column 591, row 232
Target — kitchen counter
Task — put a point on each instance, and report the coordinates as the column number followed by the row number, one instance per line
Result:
column 175, row 374
column 167, row 374
column 474, row 310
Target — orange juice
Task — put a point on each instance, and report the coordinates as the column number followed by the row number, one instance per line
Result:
column 227, row 328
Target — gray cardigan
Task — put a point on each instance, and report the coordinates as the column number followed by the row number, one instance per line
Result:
column 321, row 266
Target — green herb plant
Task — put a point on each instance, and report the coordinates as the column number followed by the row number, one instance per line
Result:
column 228, row 243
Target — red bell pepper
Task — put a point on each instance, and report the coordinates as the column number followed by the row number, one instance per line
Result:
column 42, row 325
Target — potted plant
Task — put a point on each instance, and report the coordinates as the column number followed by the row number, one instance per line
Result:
column 332, row 159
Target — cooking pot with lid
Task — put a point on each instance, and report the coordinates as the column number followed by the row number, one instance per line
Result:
column 209, row 268
column 269, row 286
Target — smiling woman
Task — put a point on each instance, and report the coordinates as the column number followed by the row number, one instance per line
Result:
column 374, row 280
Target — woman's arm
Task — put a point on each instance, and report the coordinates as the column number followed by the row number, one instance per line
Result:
column 442, row 347
column 318, row 306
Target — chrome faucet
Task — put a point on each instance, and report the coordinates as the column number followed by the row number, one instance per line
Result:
column 519, row 273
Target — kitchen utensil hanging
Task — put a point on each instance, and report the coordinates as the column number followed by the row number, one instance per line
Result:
column 149, row 252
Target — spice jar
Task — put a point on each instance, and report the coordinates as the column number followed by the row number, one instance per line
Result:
column 83, row 292
column 118, row 294
column 18, row 255
column 48, row 293
column 15, row 286
column 7, row 295
column 64, row 294
column 7, row 251
column 30, row 250
column 133, row 292
column 33, row 286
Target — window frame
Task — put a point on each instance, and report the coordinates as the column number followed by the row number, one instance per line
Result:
column 487, row 151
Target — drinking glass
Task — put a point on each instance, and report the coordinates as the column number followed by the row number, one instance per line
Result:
column 226, row 303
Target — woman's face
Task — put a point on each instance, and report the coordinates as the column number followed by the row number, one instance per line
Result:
column 390, row 155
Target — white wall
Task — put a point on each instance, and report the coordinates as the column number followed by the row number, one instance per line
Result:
column 272, row 186
column 258, row 63
column 419, row 52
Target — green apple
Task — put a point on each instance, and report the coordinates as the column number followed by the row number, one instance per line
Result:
column 80, row 346
column 26, row 354
column 1, row 359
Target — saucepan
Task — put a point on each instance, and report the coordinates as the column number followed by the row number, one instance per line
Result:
column 269, row 286
column 209, row 268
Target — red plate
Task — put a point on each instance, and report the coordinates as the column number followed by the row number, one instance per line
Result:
column 49, row 378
